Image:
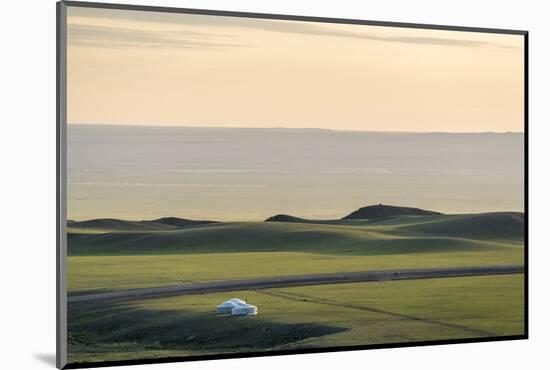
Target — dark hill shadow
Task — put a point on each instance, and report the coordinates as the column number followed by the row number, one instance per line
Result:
column 125, row 328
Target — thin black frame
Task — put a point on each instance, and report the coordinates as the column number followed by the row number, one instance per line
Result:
column 61, row 157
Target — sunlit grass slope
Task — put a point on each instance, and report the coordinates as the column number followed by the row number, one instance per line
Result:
column 395, row 235
column 143, row 258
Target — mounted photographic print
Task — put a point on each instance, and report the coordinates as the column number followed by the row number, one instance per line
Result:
column 237, row 184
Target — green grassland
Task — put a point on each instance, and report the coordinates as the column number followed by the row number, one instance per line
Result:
column 300, row 317
column 108, row 254
column 112, row 254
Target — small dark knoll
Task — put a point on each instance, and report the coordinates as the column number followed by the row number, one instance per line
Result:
column 285, row 218
column 182, row 222
column 382, row 210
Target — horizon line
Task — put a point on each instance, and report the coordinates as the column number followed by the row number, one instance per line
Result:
column 292, row 128
column 221, row 220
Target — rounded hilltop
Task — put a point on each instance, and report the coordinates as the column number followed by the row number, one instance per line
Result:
column 364, row 213
column 284, row 218
column 382, row 210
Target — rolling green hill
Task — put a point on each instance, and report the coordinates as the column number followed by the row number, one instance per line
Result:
column 109, row 255
column 402, row 234
column 144, row 254
column 486, row 226
column 106, row 225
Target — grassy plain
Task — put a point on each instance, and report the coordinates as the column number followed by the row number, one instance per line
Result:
column 300, row 317
column 101, row 261
column 107, row 255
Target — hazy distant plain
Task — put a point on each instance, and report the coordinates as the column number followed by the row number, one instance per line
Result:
column 131, row 172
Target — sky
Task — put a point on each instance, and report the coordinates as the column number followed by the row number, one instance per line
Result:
column 164, row 69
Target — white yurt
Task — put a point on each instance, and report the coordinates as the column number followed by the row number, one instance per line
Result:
column 244, row 310
column 227, row 306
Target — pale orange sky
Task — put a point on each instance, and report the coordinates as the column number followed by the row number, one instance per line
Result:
column 145, row 68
